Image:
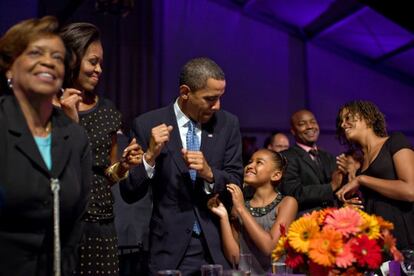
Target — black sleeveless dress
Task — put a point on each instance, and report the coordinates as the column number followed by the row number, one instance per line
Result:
column 400, row 213
column 99, row 249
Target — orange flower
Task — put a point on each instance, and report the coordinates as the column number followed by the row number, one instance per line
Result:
column 342, row 241
column 327, row 211
column 397, row 255
column 322, row 214
column 313, row 215
column 324, row 246
column 384, row 224
column 390, row 245
column 389, row 240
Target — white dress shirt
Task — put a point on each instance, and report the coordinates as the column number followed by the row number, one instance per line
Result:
column 182, row 122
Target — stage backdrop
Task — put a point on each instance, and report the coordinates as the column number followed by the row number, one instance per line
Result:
column 269, row 73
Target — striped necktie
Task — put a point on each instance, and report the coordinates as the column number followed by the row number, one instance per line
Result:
column 193, row 144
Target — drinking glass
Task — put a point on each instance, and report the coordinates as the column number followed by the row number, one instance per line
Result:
column 211, row 270
column 279, row 268
column 408, row 264
column 169, row 272
column 245, row 263
column 233, row 272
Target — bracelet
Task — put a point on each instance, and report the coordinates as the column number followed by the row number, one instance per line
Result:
column 111, row 173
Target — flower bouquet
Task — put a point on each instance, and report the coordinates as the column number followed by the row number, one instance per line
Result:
column 345, row 241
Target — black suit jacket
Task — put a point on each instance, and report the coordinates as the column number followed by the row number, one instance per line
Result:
column 176, row 200
column 304, row 181
column 26, row 233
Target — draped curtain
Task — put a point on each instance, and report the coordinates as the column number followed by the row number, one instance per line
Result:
column 131, row 53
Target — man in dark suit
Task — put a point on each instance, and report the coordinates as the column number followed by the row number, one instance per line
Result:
column 183, row 233
column 309, row 173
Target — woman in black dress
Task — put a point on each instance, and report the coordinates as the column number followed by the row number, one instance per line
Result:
column 386, row 178
column 101, row 120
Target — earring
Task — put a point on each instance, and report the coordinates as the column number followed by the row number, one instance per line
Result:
column 9, row 83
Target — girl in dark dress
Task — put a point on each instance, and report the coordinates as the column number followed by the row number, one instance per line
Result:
column 386, row 178
column 101, row 120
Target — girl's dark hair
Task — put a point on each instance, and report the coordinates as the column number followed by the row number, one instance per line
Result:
column 279, row 159
column 77, row 38
column 369, row 112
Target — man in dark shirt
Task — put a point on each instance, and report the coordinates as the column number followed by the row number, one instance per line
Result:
column 308, row 176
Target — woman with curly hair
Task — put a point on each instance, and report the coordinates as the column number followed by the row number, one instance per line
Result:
column 386, row 177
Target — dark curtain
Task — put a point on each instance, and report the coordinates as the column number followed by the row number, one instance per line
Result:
column 131, row 51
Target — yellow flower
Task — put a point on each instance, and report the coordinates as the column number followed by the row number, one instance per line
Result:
column 280, row 250
column 300, row 232
column 324, row 246
column 370, row 226
column 337, row 241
